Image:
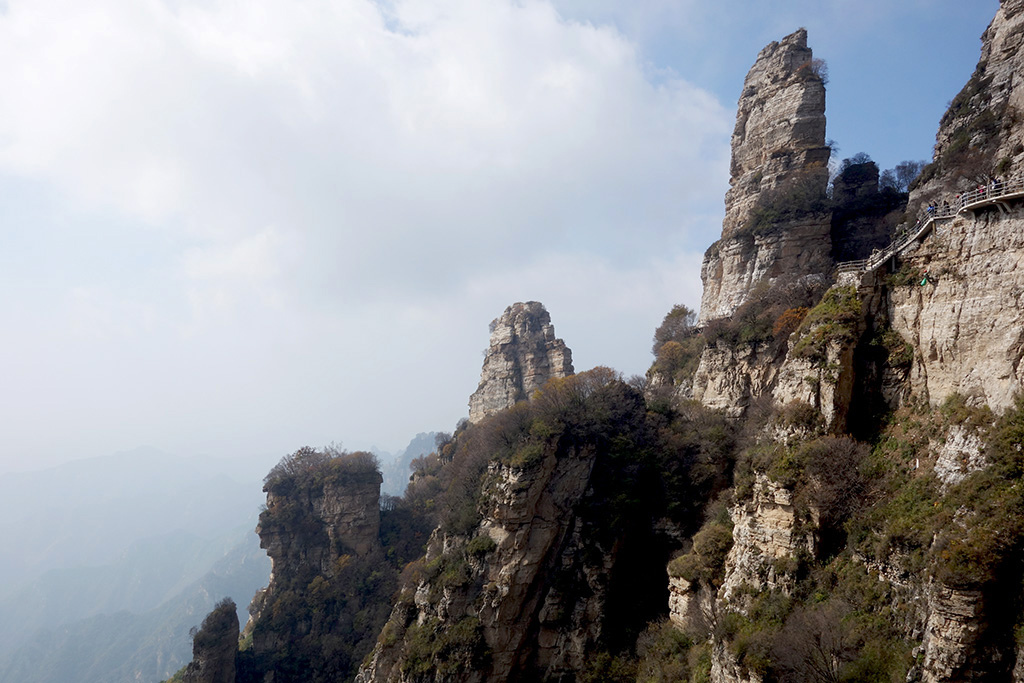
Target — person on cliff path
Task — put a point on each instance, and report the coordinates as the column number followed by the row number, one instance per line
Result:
column 924, row 280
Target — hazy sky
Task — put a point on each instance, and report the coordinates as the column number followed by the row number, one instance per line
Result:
column 238, row 227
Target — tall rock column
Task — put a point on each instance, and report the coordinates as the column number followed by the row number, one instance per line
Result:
column 777, row 222
column 523, row 354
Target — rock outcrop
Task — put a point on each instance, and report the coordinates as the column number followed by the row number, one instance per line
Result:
column 943, row 319
column 523, row 354
column 864, row 216
column 765, row 532
column 979, row 136
column 967, row 322
column 795, row 544
column 530, row 584
column 951, row 635
column 776, row 243
column 215, row 647
column 729, row 377
column 341, row 514
column 509, row 605
column 330, row 579
column 776, row 222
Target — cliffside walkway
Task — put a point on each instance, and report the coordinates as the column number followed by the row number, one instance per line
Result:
column 996, row 194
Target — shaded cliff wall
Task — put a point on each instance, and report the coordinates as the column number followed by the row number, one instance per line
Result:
column 331, row 582
column 215, row 647
column 580, row 496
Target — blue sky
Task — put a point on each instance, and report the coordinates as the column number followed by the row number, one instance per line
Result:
column 231, row 228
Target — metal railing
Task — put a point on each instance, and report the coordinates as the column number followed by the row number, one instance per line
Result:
column 985, row 195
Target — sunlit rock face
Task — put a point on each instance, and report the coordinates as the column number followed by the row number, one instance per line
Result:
column 779, row 158
column 523, row 354
column 967, row 323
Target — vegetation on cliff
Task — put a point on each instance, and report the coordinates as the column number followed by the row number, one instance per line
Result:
column 328, row 600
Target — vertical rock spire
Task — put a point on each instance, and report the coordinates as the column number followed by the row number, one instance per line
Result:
column 523, row 355
column 775, row 219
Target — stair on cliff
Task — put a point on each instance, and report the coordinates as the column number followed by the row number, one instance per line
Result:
column 996, row 195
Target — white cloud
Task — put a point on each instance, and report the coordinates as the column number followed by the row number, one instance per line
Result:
column 333, row 199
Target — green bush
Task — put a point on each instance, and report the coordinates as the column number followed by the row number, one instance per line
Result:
column 768, row 316
column 803, row 198
column 675, row 327
column 444, row 648
column 899, row 352
column 800, row 414
column 834, row 319
column 678, row 360
column 906, row 276
column 705, row 563
column 481, row 545
column 663, row 652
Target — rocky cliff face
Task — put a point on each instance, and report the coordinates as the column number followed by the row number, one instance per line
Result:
column 330, row 580
column 864, row 215
column 799, row 553
column 776, row 249
column 547, row 567
column 979, row 136
column 215, row 647
column 940, row 325
column 967, row 323
column 340, row 515
column 506, row 603
column 523, row 354
column 778, row 149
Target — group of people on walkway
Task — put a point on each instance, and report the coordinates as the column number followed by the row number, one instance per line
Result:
column 997, row 187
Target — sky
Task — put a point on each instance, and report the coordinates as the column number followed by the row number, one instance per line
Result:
column 237, row 228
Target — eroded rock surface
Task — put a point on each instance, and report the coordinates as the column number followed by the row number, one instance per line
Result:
column 954, row 622
column 523, row 354
column 778, row 153
column 765, row 531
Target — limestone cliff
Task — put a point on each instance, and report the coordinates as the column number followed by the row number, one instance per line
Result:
column 554, row 557
column 506, row 604
column 523, row 354
column 932, row 335
column 778, row 153
column 776, row 249
column 980, row 137
column 340, row 514
column 843, row 501
column 967, row 323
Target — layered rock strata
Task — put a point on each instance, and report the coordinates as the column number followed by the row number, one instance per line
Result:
column 765, row 531
column 524, row 621
column 967, row 321
column 523, row 354
column 775, row 223
column 322, row 513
